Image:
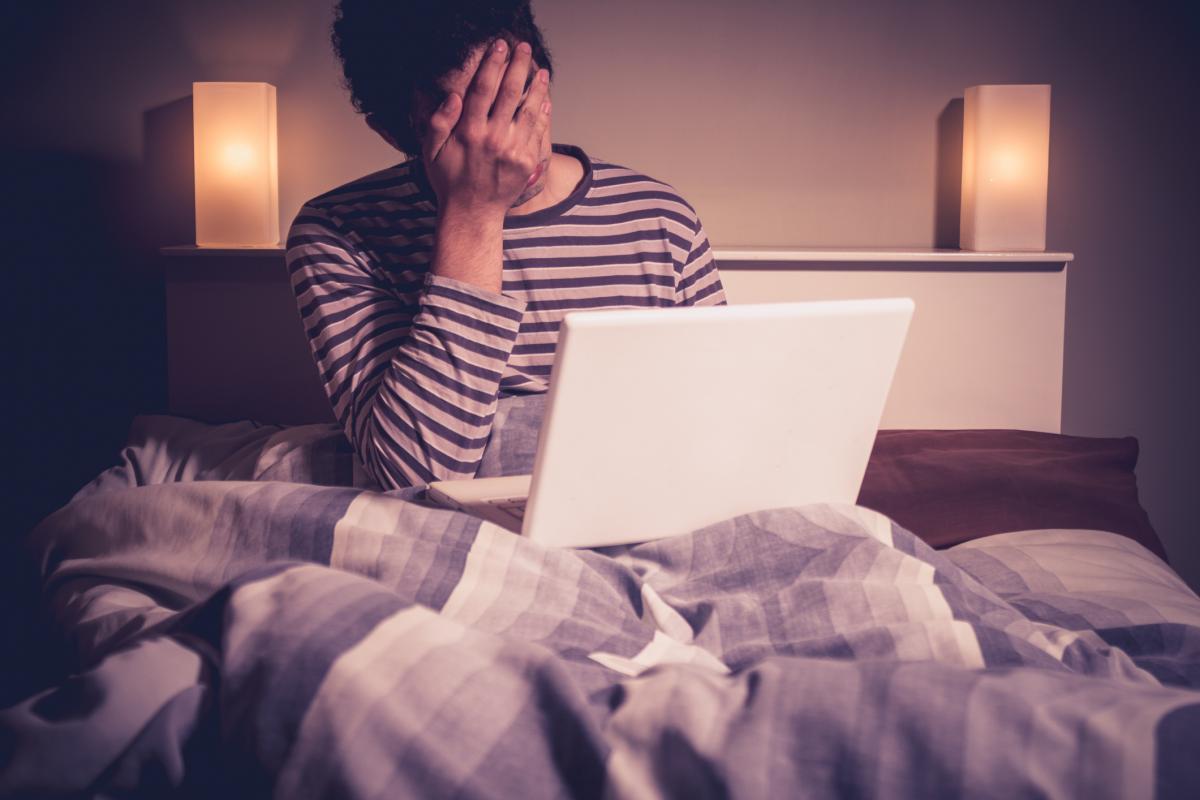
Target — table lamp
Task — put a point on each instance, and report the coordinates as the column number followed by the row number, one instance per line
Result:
column 1006, row 149
column 237, row 164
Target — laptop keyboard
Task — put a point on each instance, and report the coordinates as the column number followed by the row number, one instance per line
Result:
column 511, row 505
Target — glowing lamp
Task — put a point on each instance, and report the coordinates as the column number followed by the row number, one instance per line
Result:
column 1006, row 156
column 237, row 164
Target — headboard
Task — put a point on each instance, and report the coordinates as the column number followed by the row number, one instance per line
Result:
column 985, row 348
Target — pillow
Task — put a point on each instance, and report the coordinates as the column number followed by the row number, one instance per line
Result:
column 949, row 487
column 170, row 449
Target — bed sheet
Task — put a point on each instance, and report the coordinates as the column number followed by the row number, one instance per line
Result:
column 246, row 615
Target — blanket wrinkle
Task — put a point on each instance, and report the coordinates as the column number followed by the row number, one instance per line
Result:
column 672, row 642
column 442, row 652
column 96, row 714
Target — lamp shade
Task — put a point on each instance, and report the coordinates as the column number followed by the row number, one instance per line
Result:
column 1006, row 152
column 237, row 164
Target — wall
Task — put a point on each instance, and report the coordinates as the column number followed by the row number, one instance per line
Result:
column 784, row 123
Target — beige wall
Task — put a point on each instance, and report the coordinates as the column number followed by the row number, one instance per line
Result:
column 784, row 123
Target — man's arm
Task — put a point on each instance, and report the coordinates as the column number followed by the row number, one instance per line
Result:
column 697, row 282
column 478, row 154
column 413, row 385
column 469, row 246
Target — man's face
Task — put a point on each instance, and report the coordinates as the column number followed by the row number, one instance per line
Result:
column 459, row 80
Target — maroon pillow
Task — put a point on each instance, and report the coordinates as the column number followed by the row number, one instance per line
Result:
column 950, row 487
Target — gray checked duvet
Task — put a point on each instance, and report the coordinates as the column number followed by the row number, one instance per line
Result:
column 262, row 636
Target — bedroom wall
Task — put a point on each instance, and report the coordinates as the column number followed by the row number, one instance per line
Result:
column 784, row 123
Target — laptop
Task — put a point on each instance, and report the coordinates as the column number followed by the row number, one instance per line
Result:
column 662, row 421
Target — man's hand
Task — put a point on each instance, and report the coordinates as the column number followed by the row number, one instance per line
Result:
column 481, row 149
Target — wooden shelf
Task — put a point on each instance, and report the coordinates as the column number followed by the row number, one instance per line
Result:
column 886, row 255
column 196, row 250
column 803, row 258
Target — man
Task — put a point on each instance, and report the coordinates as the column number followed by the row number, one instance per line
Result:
column 433, row 288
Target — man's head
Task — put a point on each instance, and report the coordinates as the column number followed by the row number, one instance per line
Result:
column 397, row 55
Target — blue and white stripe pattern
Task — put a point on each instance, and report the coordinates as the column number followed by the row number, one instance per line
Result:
column 413, row 363
column 269, row 637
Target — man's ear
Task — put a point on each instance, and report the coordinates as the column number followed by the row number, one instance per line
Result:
column 378, row 128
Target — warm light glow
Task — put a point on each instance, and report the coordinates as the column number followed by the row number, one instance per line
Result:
column 238, row 157
column 1006, row 147
column 236, row 161
column 1005, row 165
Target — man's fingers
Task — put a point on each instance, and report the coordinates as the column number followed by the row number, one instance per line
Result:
column 482, row 92
column 539, row 91
column 535, row 114
column 513, row 84
column 441, row 124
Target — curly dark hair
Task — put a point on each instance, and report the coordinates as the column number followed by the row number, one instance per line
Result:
column 392, row 49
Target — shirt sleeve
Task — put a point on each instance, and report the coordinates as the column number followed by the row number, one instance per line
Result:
column 414, row 385
column 697, row 282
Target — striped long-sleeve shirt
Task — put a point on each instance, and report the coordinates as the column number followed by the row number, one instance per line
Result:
column 413, row 363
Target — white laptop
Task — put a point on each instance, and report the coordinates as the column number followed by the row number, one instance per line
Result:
column 662, row 421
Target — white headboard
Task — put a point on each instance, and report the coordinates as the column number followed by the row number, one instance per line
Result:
column 985, row 348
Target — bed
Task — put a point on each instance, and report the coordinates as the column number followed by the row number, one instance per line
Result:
column 237, row 610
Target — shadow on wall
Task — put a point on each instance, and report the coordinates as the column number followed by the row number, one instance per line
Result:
column 86, row 298
column 86, row 294
column 948, row 185
column 168, row 162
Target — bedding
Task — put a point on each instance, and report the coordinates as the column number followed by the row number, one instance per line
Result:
column 953, row 486
column 236, row 628
column 947, row 487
